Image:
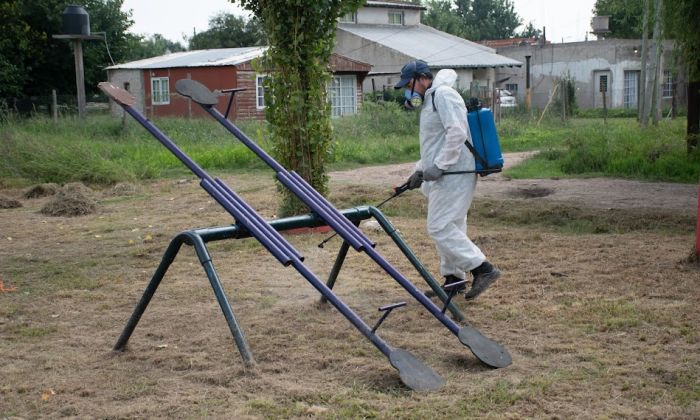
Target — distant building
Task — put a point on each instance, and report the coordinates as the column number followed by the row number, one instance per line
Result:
column 152, row 82
column 388, row 34
column 601, row 69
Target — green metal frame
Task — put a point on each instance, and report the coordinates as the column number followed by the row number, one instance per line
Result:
column 198, row 238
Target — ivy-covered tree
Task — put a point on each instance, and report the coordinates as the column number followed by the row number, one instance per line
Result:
column 300, row 37
column 229, row 31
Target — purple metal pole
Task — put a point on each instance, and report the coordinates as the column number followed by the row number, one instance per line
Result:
column 331, row 216
column 231, row 207
column 321, row 201
column 352, row 238
column 262, row 224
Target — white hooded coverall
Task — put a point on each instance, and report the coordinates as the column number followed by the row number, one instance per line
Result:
column 442, row 136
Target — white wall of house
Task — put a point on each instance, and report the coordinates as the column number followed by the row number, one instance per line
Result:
column 135, row 80
column 380, row 15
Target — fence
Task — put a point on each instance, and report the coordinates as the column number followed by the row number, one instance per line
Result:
column 52, row 105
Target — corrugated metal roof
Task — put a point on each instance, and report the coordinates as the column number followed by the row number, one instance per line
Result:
column 197, row 58
column 437, row 48
column 395, row 4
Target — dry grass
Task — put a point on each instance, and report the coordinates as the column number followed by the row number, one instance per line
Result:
column 73, row 199
column 599, row 325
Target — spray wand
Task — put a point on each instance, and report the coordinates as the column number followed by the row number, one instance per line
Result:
column 397, row 192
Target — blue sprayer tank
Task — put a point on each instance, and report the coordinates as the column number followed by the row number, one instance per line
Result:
column 485, row 141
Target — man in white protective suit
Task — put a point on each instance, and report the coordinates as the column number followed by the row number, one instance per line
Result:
column 443, row 131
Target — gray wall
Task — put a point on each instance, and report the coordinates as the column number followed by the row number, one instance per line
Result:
column 386, row 63
column 135, row 80
column 582, row 60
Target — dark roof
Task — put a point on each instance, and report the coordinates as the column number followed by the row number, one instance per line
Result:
column 395, row 4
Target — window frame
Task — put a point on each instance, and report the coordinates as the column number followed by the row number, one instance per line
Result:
column 158, row 96
column 395, row 14
column 667, row 85
column 627, row 90
column 260, row 90
column 339, row 105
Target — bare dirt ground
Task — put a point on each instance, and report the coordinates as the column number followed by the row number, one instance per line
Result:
column 600, row 325
column 592, row 192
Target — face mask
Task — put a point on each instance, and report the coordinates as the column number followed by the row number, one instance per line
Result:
column 413, row 99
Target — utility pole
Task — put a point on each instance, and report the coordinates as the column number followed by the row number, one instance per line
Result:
column 76, row 25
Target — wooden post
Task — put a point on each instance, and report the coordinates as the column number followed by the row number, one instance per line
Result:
column 697, row 227
column 79, row 72
column 562, row 93
column 54, row 105
column 189, row 101
column 79, row 76
column 125, row 127
column 554, row 92
column 605, row 109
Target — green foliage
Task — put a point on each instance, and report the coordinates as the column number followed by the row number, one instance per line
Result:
column 625, row 17
column 473, row 19
column 33, row 63
column 151, row 46
column 98, row 152
column 441, row 15
column 529, row 31
column 680, row 19
column 609, row 113
column 300, row 35
column 619, row 148
column 382, row 132
column 229, row 31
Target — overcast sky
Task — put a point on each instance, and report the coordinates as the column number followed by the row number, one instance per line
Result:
column 566, row 20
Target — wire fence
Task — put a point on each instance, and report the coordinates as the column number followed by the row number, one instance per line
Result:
column 56, row 106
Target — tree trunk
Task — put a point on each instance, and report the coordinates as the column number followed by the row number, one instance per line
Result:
column 658, row 44
column 641, row 107
column 693, row 115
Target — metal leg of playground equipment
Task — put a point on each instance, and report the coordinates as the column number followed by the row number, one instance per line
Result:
column 412, row 371
column 485, row 349
column 367, row 212
column 190, row 238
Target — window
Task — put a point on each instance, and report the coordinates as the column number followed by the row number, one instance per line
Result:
column 260, row 90
column 160, row 91
column 512, row 88
column 395, row 18
column 350, row 17
column 631, row 89
column 343, row 95
column 668, row 84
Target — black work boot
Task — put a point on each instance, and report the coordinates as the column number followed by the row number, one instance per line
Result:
column 449, row 279
column 484, row 276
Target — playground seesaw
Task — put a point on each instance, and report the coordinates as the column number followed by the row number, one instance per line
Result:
column 413, row 373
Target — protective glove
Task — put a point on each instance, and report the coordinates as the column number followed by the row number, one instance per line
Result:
column 432, row 173
column 415, row 180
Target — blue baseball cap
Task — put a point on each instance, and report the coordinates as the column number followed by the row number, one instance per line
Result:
column 410, row 70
